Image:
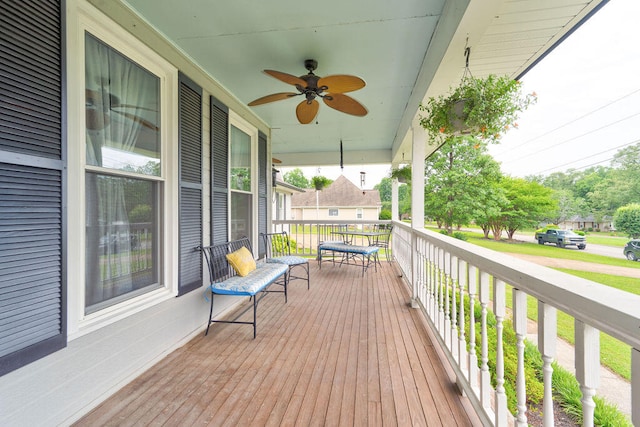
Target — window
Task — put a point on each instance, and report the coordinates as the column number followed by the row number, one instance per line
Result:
column 359, row 213
column 333, row 212
column 241, row 148
column 123, row 182
column 280, row 211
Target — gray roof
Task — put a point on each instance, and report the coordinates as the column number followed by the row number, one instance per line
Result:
column 341, row 193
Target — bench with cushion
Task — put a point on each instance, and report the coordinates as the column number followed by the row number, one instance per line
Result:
column 350, row 252
column 233, row 271
column 278, row 248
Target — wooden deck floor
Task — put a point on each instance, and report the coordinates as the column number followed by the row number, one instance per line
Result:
column 347, row 352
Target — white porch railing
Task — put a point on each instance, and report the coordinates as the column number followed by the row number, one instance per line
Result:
column 308, row 234
column 449, row 277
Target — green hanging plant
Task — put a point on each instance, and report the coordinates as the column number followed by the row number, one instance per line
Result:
column 484, row 108
column 319, row 182
column 402, row 174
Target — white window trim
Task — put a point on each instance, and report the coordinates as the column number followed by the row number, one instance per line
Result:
column 86, row 18
column 236, row 120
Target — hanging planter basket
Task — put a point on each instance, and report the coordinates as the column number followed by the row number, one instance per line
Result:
column 458, row 115
column 402, row 174
column 319, row 182
column 482, row 108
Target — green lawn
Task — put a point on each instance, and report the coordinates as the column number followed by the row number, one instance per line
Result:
column 547, row 251
column 605, row 240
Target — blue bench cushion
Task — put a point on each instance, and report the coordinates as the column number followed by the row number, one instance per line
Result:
column 288, row 260
column 258, row 279
column 352, row 249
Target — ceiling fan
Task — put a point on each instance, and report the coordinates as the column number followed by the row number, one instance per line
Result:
column 331, row 89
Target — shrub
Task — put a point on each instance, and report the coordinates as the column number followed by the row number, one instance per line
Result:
column 282, row 244
column 460, row 235
column 384, row 214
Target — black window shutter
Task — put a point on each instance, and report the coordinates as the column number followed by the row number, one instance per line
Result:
column 219, row 172
column 190, row 182
column 32, row 183
column 264, row 172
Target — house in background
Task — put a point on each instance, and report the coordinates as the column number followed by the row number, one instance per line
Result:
column 342, row 200
column 282, row 194
column 588, row 223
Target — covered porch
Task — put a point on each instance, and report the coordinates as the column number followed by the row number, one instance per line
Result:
column 349, row 351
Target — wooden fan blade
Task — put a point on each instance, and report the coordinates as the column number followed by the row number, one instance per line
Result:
column 287, row 78
column 272, row 97
column 341, row 83
column 138, row 119
column 306, row 111
column 345, row 104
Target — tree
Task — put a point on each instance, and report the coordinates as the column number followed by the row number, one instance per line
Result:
column 296, row 177
column 404, row 196
column 457, row 176
column 529, row 203
column 627, row 220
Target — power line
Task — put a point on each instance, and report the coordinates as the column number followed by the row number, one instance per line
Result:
column 577, row 136
column 588, row 157
column 572, row 121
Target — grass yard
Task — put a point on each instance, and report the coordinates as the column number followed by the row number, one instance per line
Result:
column 535, row 249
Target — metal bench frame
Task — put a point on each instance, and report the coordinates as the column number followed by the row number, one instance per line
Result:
column 220, row 270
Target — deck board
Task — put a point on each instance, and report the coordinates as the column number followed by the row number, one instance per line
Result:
column 349, row 351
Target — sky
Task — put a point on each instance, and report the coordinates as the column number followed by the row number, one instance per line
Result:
column 588, row 104
column 588, row 98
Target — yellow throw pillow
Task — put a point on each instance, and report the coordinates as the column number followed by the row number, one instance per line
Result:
column 242, row 261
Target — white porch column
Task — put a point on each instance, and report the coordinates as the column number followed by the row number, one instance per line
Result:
column 417, row 175
column 417, row 200
column 394, row 200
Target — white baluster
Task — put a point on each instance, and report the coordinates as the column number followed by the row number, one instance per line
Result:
column 547, row 336
column 499, row 310
column 520, row 327
column 473, row 358
column 462, row 339
column 452, row 303
column 434, row 284
column 448, row 261
column 635, row 386
column 587, row 367
column 485, row 376
column 441, row 292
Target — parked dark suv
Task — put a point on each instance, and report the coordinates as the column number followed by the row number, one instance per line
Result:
column 632, row 250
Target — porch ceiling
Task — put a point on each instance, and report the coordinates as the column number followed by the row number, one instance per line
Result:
column 405, row 50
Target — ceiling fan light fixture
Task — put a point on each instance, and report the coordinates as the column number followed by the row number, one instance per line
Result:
column 312, row 86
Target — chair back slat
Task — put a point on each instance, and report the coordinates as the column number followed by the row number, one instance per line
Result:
column 277, row 244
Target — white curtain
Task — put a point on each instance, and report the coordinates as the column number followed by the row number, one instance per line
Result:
column 117, row 91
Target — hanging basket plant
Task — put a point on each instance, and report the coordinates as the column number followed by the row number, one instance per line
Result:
column 483, row 108
column 402, row 174
column 319, row 182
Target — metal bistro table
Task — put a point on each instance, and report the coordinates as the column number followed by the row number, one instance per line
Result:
column 355, row 233
column 348, row 237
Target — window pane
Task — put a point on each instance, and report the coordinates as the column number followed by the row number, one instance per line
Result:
column 122, row 239
column 122, row 111
column 240, row 160
column 240, row 215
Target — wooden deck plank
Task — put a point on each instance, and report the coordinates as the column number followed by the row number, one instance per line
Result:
column 349, row 351
column 307, row 388
column 313, row 337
